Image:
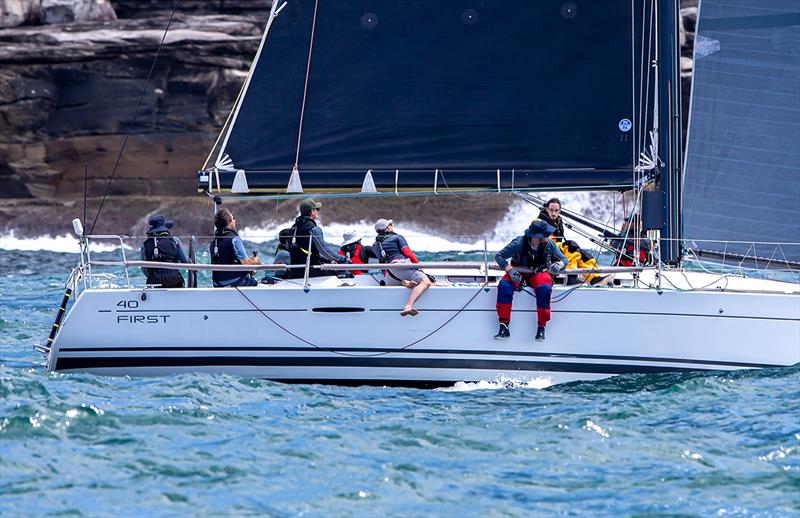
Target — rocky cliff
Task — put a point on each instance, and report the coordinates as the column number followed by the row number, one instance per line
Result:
column 68, row 90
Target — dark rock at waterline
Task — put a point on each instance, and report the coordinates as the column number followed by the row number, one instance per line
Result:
column 68, row 90
column 458, row 218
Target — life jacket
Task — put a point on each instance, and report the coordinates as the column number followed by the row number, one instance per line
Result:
column 356, row 253
column 222, row 252
column 162, row 248
column 298, row 250
column 388, row 247
column 534, row 259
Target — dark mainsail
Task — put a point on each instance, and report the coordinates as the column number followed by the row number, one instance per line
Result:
column 542, row 87
column 742, row 174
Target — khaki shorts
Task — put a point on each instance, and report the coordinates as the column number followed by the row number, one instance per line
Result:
column 394, row 276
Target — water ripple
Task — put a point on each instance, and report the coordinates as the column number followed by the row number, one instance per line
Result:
column 685, row 444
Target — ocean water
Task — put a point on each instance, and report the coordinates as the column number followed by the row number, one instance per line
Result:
column 697, row 444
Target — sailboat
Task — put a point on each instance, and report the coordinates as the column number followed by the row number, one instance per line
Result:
column 429, row 97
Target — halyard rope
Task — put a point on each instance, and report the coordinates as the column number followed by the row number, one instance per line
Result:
column 305, row 87
column 133, row 118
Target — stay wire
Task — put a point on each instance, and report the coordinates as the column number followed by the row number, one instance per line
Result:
column 135, row 113
column 305, row 87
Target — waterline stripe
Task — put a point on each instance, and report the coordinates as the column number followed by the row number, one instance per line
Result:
column 413, row 363
column 463, row 352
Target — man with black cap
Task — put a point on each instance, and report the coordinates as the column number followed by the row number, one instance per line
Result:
column 163, row 247
column 535, row 252
column 307, row 238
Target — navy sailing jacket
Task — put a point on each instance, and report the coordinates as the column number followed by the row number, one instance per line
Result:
column 521, row 254
column 390, row 247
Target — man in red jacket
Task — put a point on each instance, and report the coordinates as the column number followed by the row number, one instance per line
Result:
column 390, row 247
column 353, row 249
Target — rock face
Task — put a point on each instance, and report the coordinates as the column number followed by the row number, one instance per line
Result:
column 68, row 92
column 25, row 12
column 74, row 72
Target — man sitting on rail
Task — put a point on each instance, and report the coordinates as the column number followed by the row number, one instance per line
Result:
column 227, row 248
column 163, row 247
column 535, row 252
column 390, row 247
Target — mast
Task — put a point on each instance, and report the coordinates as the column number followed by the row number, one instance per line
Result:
column 669, row 115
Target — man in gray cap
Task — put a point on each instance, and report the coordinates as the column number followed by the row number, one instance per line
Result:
column 307, row 238
column 390, row 247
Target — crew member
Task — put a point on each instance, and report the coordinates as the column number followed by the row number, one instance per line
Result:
column 227, row 248
column 392, row 248
column 576, row 257
column 353, row 250
column 625, row 243
column 307, row 238
column 535, row 252
column 282, row 256
column 163, row 247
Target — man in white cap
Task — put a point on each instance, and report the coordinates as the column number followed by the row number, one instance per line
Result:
column 352, row 249
column 392, row 248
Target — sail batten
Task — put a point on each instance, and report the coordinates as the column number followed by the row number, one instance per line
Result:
column 462, row 85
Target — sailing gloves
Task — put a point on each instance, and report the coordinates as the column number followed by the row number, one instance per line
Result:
column 556, row 267
column 515, row 276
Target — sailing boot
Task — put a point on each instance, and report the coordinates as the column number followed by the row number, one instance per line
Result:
column 503, row 333
column 540, row 334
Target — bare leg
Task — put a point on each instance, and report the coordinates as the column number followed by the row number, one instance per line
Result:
column 409, row 284
column 418, row 290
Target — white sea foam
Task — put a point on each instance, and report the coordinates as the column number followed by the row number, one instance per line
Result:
column 420, row 237
column 64, row 243
column 501, row 382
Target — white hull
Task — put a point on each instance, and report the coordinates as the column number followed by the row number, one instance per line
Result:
column 354, row 334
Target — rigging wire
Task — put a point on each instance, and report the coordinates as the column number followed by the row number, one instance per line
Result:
column 305, row 86
column 135, row 113
column 450, row 191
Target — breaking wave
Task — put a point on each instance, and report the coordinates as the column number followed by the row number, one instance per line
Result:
column 425, row 238
column 65, row 243
column 422, row 237
column 501, row 382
